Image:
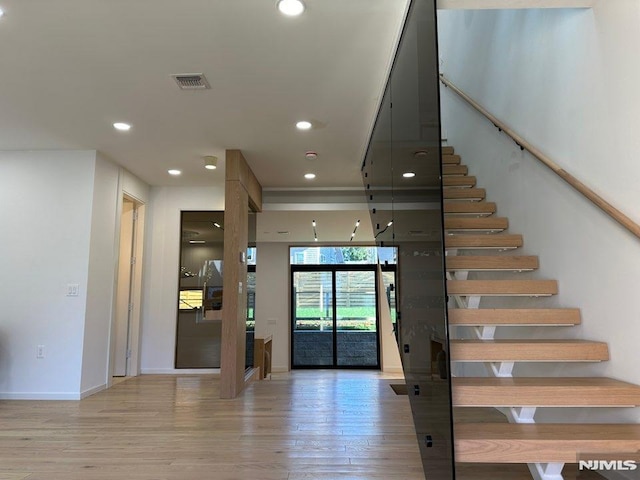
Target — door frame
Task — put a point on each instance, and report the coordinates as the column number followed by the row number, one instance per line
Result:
column 333, row 268
column 135, row 291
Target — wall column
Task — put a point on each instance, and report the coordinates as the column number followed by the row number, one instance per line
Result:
column 242, row 192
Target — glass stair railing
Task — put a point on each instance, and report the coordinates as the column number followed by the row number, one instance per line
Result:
column 402, row 177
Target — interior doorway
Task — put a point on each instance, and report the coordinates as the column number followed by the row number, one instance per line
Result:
column 126, row 325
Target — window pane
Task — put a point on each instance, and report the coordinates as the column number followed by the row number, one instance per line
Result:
column 344, row 255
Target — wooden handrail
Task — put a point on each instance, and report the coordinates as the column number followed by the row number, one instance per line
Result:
column 596, row 199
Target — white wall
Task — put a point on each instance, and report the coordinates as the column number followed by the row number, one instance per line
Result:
column 134, row 187
column 58, row 211
column 161, row 264
column 273, row 300
column 102, row 262
column 565, row 80
column 45, row 213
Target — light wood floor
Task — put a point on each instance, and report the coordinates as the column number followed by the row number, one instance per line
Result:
column 305, row 425
column 326, row 425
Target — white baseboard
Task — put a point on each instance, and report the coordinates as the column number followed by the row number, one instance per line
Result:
column 39, row 396
column 279, row 369
column 180, row 371
column 91, row 391
column 51, row 395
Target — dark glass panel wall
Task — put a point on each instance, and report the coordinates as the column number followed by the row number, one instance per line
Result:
column 199, row 328
column 251, row 290
column 401, row 173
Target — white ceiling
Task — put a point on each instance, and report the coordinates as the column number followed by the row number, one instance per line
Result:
column 70, row 68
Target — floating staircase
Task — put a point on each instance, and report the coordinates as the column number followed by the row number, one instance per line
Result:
column 475, row 242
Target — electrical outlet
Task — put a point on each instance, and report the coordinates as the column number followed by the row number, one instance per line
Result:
column 40, row 351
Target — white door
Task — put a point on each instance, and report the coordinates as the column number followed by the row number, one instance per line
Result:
column 123, row 294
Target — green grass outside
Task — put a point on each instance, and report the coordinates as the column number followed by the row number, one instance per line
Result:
column 343, row 312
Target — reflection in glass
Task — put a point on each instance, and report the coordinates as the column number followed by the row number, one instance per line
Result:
column 250, row 257
column 200, row 290
column 389, row 280
column 251, row 318
column 406, row 212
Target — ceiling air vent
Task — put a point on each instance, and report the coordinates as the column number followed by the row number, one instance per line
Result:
column 191, row 81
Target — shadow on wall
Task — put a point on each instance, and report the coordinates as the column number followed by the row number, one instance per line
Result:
column 5, row 363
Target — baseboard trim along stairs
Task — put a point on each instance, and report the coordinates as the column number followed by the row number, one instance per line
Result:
column 476, row 242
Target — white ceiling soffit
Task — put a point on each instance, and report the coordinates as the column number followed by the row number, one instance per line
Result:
column 511, row 4
column 295, row 227
column 71, row 68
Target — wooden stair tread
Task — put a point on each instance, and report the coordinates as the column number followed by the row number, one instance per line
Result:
column 495, row 224
column 522, row 288
column 501, row 241
column 455, row 169
column 462, row 207
column 463, row 193
column 450, row 159
column 541, row 442
column 446, row 150
column 544, row 392
column 458, row 181
column 515, row 316
column 528, row 351
column 491, row 262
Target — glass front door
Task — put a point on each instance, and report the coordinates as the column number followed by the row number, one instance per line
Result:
column 356, row 320
column 313, row 319
column 334, row 318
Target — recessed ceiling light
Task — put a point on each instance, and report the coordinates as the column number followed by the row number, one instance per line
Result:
column 291, row 8
column 123, row 127
column 408, row 174
column 1, row 12
column 173, row 171
column 309, row 176
column 303, row 125
column 210, row 162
